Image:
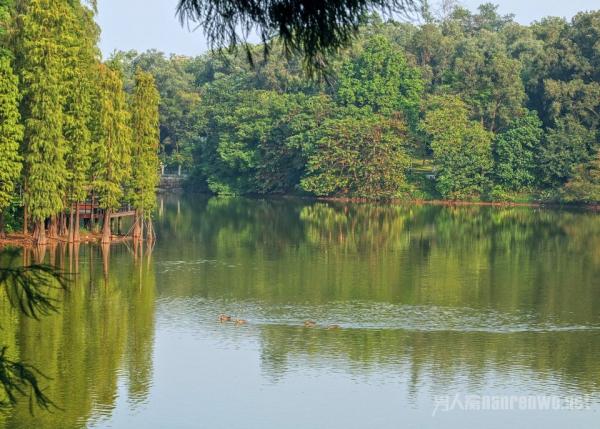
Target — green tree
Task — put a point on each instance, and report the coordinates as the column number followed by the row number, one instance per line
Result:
column 565, row 147
column 40, row 64
column 585, row 184
column 461, row 149
column 11, row 135
column 112, row 145
column 488, row 79
column 381, row 78
column 515, row 152
column 251, row 143
column 79, row 86
column 361, row 154
column 146, row 140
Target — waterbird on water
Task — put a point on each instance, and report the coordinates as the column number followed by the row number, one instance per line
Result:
column 310, row 324
column 224, row 318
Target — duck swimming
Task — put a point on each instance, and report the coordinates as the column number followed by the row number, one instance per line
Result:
column 240, row 322
column 310, row 324
column 224, row 318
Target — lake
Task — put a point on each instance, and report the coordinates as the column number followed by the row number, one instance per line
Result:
column 448, row 317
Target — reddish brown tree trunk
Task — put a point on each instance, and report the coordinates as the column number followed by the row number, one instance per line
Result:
column 106, row 232
column 137, row 227
column 39, row 233
column 53, row 227
column 63, row 230
column 71, row 221
column 75, row 225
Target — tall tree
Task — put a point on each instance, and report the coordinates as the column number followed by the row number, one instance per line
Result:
column 40, row 63
column 461, row 149
column 565, row 147
column 146, row 140
column 112, row 145
column 80, row 77
column 11, row 135
column 381, row 78
column 585, row 184
column 361, row 154
column 515, row 152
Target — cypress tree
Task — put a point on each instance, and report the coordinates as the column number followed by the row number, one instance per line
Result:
column 11, row 134
column 112, row 151
column 40, row 62
column 80, row 74
column 146, row 140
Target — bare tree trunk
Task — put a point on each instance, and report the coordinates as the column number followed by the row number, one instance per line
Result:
column 71, row 222
column 150, row 235
column 75, row 226
column 39, row 233
column 93, row 219
column 137, row 228
column 2, row 232
column 106, row 232
column 53, row 227
column 25, row 220
column 62, row 228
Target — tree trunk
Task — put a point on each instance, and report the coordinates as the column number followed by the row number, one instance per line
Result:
column 106, row 232
column 93, row 219
column 25, row 220
column 39, row 233
column 53, row 227
column 137, row 228
column 71, row 222
column 2, row 232
column 150, row 235
column 75, row 225
column 63, row 231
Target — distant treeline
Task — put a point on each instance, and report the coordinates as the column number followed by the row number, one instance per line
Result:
column 68, row 131
column 462, row 106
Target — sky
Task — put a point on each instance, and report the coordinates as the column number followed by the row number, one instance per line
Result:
column 152, row 24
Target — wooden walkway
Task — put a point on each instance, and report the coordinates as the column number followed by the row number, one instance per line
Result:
column 87, row 211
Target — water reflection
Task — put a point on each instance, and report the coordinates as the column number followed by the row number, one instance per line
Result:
column 430, row 300
column 103, row 333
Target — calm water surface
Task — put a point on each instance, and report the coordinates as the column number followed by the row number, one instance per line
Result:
column 435, row 304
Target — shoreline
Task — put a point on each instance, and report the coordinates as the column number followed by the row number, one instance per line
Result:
column 448, row 203
column 26, row 240
column 462, row 203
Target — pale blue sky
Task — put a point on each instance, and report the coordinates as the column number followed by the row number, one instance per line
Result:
column 146, row 24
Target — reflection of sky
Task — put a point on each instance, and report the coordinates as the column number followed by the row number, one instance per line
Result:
column 148, row 24
column 212, row 375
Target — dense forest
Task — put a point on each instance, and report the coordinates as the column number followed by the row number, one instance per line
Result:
column 69, row 133
column 469, row 106
column 463, row 105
